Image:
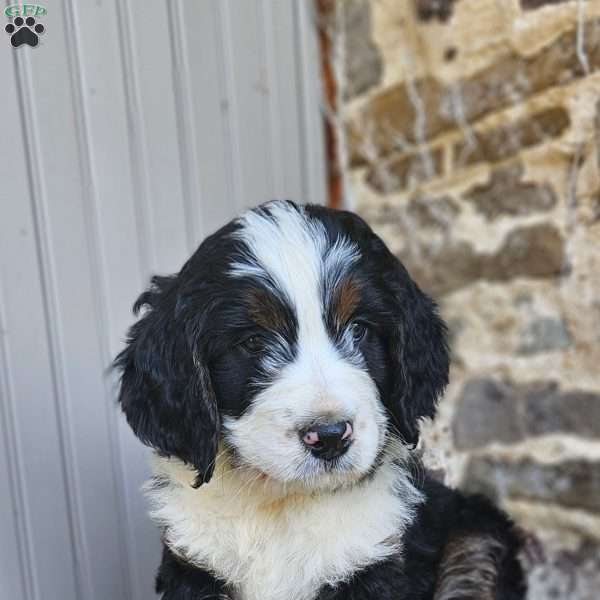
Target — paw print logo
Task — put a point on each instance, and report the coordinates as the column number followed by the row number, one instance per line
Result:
column 24, row 31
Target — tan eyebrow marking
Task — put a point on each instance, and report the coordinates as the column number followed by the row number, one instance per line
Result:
column 266, row 311
column 346, row 299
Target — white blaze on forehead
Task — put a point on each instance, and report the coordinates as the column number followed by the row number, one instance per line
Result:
column 295, row 253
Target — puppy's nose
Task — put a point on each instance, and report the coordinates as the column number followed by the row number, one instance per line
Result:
column 328, row 440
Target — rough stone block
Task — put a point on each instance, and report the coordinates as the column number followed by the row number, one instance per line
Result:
column 572, row 412
column 559, row 573
column 363, row 65
column 500, row 143
column 572, row 483
column 432, row 212
column 405, row 170
column 545, row 334
column 506, row 195
column 536, row 251
column 489, row 410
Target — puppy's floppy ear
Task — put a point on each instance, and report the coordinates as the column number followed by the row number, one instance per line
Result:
column 420, row 353
column 166, row 393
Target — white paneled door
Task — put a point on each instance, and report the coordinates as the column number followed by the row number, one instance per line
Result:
column 132, row 130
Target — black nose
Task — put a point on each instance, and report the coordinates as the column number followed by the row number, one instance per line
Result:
column 328, row 440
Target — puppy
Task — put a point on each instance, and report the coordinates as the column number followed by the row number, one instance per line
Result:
column 280, row 378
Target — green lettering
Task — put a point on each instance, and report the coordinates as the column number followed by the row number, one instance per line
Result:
column 24, row 10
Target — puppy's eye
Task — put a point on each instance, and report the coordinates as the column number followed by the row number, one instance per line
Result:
column 358, row 330
column 255, row 344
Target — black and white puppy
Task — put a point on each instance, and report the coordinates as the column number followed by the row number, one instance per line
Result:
column 280, row 377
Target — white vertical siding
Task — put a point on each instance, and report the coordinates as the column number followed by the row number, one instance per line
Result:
column 132, row 131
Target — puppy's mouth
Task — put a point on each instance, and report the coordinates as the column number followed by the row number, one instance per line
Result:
column 308, row 472
column 320, row 472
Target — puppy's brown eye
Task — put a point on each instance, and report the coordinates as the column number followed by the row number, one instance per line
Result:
column 358, row 330
column 255, row 344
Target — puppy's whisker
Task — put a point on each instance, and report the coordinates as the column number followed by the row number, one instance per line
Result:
column 246, row 486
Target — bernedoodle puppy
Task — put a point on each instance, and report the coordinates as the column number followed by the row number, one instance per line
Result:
column 280, row 378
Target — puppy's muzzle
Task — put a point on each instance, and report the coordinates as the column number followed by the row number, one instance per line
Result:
column 328, row 440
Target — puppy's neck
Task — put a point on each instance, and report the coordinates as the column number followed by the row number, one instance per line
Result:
column 269, row 541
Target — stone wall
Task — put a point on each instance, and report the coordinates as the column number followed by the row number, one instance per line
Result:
column 469, row 136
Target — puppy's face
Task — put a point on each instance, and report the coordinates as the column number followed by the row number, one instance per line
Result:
column 293, row 337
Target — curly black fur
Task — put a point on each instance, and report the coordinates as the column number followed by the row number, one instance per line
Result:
column 179, row 377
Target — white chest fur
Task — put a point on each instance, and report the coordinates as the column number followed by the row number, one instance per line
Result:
column 270, row 547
